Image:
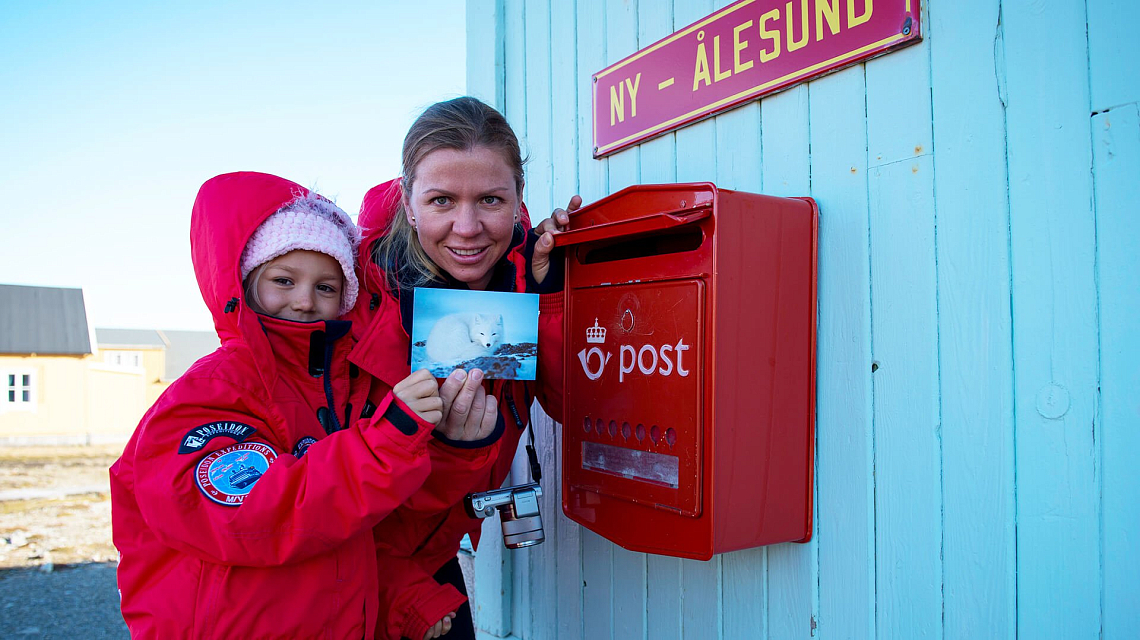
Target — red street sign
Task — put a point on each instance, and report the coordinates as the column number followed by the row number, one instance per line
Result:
column 744, row 51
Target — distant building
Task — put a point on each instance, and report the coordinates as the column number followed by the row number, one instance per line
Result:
column 161, row 355
column 64, row 383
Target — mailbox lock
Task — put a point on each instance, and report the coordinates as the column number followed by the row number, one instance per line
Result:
column 627, row 321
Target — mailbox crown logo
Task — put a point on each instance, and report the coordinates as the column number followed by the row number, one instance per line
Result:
column 596, row 334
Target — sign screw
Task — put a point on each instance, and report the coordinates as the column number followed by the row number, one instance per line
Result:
column 906, row 26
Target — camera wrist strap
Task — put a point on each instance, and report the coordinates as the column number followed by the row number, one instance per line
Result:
column 535, row 467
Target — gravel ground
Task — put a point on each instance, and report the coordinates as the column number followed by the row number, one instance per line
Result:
column 57, row 563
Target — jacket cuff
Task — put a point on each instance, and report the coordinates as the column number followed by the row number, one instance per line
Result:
column 405, row 428
column 422, row 615
column 554, row 277
column 551, row 303
column 500, row 427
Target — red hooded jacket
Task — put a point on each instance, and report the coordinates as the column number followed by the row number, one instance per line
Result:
column 243, row 505
column 424, row 533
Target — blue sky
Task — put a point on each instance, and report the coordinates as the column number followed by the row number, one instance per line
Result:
column 112, row 116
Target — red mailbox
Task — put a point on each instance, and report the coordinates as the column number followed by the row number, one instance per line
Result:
column 689, row 425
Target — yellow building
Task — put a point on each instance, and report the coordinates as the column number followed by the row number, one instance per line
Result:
column 63, row 383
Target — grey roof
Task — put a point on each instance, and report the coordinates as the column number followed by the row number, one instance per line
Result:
column 185, row 347
column 129, row 339
column 43, row 320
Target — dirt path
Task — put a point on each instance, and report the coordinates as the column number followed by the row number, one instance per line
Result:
column 57, row 563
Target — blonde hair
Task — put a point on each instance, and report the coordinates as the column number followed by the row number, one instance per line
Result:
column 461, row 124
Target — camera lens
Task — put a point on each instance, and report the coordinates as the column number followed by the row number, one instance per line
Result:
column 521, row 532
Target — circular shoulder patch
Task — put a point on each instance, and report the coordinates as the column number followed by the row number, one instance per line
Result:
column 227, row 475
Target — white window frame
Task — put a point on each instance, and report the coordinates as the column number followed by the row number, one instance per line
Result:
column 119, row 359
column 19, row 389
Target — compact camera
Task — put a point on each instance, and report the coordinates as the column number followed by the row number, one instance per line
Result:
column 518, row 509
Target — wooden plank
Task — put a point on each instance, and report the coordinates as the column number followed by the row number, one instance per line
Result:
column 515, row 110
column 597, row 553
column 974, row 323
column 621, row 40
column 845, row 445
column 1053, row 259
column 597, row 586
column 629, row 569
column 494, row 587
column 591, row 47
column 744, row 593
column 539, row 169
column 904, row 344
column 564, row 152
column 630, row 589
column 1114, row 49
column 516, row 588
column 739, row 149
column 696, row 161
column 663, row 598
column 898, row 105
column 514, row 70
column 696, row 144
column 700, row 599
column 658, row 156
column 485, row 51
column 744, row 574
column 1116, row 155
column 658, row 165
column 786, row 171
column 540, row 623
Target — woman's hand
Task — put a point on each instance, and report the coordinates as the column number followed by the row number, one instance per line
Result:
column 420, row 392
column 440, row 628
column 556, row 223
column 468, row 412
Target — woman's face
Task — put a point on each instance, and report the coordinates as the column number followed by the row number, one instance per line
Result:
column 464, row 205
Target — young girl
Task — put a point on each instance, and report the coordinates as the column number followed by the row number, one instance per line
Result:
column 243, row 504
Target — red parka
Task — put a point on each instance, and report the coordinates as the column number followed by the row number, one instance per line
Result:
column 243, row 505
column 424, row 534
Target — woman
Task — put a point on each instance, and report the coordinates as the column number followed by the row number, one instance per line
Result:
column 454, row 220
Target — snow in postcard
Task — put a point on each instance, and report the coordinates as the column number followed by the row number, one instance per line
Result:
column 487, row 330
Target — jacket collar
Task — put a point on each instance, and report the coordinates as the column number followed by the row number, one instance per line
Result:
column 300, row 347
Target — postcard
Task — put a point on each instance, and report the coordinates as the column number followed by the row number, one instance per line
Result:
column 488, row 330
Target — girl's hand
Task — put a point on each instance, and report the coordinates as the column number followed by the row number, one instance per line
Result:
column 420, row 392
column 468, row 412
column 556, row 223
column 440, row 628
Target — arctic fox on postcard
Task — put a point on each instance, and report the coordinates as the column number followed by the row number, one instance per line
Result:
column 462, row 336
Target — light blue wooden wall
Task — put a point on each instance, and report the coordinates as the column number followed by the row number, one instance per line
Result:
column 978, row 453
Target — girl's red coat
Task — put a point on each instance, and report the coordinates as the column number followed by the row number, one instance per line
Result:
column 296, row 558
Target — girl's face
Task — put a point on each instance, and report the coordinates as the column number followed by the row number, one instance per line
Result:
column 304, row 286
column 464, row 205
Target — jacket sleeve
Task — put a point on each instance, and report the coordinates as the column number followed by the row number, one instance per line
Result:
column 344, row 484
column 455, row 472
column 550, row 330
column 411, row 601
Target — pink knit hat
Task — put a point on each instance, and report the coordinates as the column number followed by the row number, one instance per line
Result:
column 311, row 223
